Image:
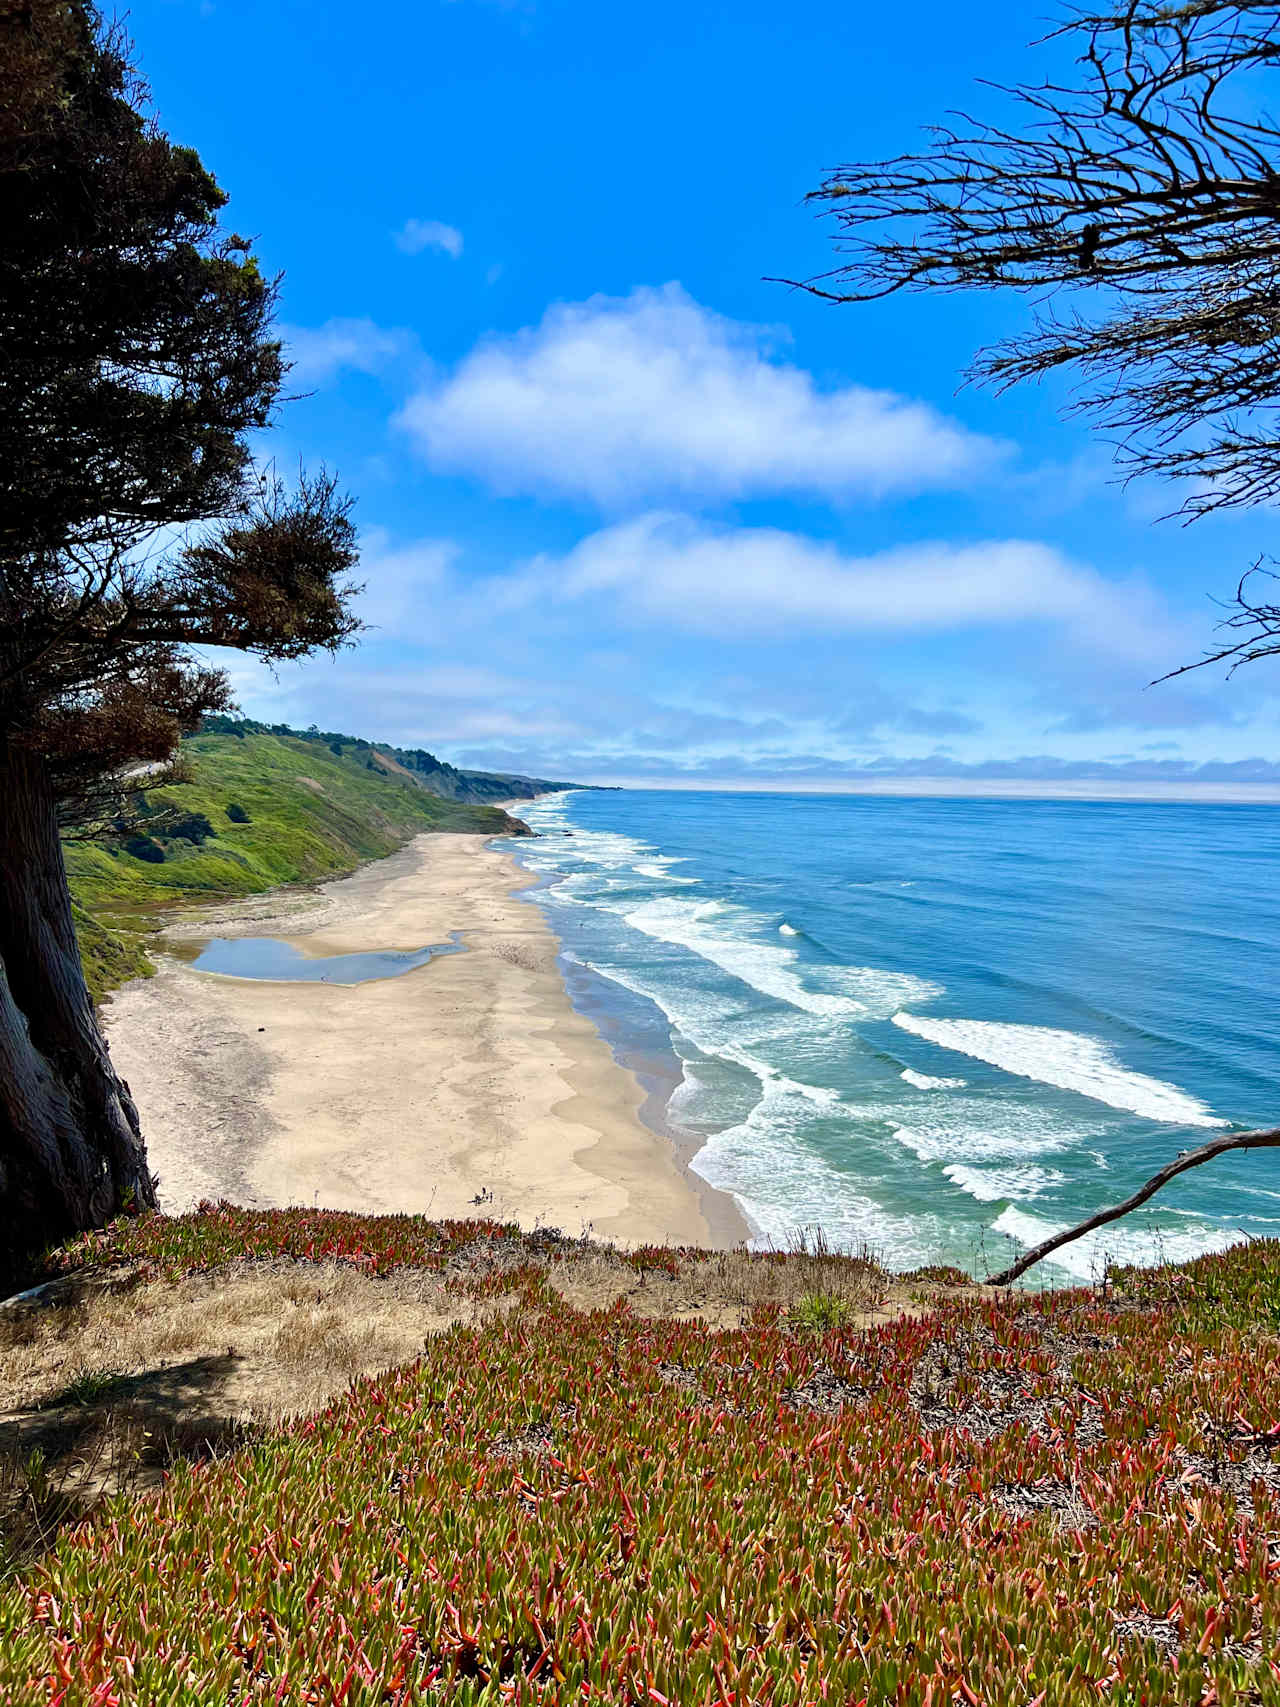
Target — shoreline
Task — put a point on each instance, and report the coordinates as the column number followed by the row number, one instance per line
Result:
column 469, row 1086
column 659, row 1074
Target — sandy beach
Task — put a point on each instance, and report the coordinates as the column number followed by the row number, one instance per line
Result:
column 467, row 1086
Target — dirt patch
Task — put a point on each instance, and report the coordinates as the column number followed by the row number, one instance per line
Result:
column 1029, row 1499
column 677, row 1375
column 1235, row 1471
column 537, row 1441
column 394, row 766
column 1139, row 1627
column 1007, row 1392
column 824, row 1393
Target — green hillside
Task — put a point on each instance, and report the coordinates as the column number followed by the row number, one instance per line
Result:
column 437, row 776
column 307, row 810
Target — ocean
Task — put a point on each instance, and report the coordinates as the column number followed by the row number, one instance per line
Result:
column 937, row 1028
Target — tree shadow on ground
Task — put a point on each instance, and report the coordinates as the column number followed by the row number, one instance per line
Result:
column 108, row 1435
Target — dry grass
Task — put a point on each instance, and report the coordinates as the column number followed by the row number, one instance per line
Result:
column 262, row 1342
column 259, row 1342
column 117, row 1379
column 725, row 1289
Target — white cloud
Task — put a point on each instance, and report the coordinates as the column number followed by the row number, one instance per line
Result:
column 319, row 353
column 587, row 648
column 404, row 584
column 415, row 235
column 675, row 570
column 625, row 400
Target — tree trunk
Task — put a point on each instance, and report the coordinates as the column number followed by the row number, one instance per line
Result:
column 71, row 1151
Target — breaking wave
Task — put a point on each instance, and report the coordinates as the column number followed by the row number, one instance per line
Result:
column 1064, row 1059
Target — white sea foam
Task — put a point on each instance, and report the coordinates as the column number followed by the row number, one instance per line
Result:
column 994, row 1185
column 707, row 1029
column 560, row 840
column 785, row 1189
column 785, row 929
column 725, row 936
column 1088, row 1257
column 923, row 1082
column 660, row 871
column 1065, row 1059
column 608, row 851
column 979, row 1129
column 599, row 851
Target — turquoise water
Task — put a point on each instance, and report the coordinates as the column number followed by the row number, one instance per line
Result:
column 941, row 1028
column 269, row 957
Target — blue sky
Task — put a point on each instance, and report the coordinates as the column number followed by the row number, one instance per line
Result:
column 627, row 509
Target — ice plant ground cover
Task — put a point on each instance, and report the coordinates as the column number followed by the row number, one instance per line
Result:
column 1049, row 1498
column 221, row 1233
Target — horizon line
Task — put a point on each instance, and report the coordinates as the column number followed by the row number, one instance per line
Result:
column 975, row 788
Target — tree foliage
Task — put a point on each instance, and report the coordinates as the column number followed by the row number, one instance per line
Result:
column 1140, row 206
column 137, row 362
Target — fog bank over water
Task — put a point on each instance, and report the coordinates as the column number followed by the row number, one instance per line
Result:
column 968, row 788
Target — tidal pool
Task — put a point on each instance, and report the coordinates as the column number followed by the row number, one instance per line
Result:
column 269, row 957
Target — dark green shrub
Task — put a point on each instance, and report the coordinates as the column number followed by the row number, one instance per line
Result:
column 142, row 847
column 190, row 827
column 237, row 813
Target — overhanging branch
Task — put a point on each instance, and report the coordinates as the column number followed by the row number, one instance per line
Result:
column 1143, row 180
column 1266, row 1139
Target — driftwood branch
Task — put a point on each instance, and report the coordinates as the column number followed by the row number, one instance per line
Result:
column 1268, row 1139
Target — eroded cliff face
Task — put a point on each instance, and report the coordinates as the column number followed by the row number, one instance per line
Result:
column 479, row 787
column 518, row 827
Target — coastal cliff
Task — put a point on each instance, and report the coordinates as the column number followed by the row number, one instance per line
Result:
column 415, row 764
column 261, row 808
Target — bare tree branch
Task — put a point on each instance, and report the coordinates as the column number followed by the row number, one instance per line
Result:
column 1141, row 209
column 1268, row 1139
column 1256, row 622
